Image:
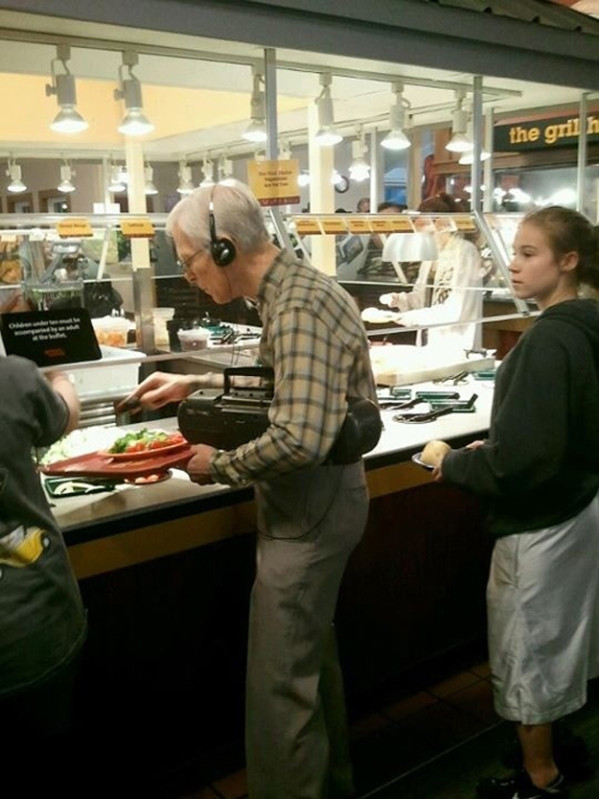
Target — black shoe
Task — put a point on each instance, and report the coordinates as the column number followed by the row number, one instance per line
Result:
column 570, row 753
column 519, row 786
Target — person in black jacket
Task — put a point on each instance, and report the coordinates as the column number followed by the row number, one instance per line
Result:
column 539, row 472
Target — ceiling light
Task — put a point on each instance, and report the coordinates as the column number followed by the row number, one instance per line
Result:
column 68, row 119
column 208, row 173
column 135, row 122
column 66, row 178
column 256, row 130
column 396, row 139
column 326, row 135
column 225, row 171
column 284, row 151
column 185, row 183
column 150, row 186
column 460, row 142
column 303, row 179
column 13, row 171
column 468, row 157
column 116, row 182
column 336, row 178
column 359, row 170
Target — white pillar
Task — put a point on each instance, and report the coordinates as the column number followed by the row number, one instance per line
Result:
column 134, row 154
column 322, row 194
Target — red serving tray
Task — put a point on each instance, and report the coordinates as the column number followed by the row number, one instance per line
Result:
column 97, row 464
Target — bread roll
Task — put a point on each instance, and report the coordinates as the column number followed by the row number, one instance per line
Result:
column 434, row 452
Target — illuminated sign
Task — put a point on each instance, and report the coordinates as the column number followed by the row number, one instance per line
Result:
column 543, row 133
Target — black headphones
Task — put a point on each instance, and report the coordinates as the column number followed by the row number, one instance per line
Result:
column 222, row 250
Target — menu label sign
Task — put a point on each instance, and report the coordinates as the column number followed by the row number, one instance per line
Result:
column 401, row 224
column 306, row 226
column 50, row 338
column 334, row 225
column 137, row 228
column 68, row 228
column 275, row 182
column 359, row 226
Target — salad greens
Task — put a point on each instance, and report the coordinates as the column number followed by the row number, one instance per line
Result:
column 144, row 438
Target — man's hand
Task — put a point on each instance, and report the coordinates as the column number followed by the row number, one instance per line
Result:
column 157, row 390
column 198, row 467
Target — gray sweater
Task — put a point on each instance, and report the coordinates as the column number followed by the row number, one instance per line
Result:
column 540, row 465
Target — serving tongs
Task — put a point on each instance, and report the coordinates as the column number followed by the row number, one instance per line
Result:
column 430, row 416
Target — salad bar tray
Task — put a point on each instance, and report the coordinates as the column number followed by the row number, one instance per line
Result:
column 102, row 464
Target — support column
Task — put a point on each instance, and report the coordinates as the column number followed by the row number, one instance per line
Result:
column 322, row 196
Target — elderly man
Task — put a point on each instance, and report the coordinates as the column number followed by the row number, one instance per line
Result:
column 311, row 511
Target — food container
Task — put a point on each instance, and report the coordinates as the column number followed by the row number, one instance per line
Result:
column 196, row 338
column 161, row 317
column 112, row 330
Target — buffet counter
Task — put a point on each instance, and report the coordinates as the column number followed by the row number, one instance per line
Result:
column 131, row 524
column 166, row 572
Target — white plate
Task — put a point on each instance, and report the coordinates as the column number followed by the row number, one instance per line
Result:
column 377, row 316
column 417, row 458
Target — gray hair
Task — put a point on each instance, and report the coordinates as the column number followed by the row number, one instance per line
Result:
column 237, row 214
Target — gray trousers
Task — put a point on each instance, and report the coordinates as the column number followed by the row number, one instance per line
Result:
column 296, row 728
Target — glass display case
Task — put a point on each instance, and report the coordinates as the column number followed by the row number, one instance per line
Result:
column 439, row 275
column 425, row 278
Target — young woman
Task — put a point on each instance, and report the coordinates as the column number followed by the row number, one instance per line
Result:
column 539, row 471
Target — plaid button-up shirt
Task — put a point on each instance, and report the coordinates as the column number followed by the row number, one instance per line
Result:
column 314, row 340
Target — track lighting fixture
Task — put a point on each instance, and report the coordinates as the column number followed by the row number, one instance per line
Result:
column 208, row 173
column 135, row 122
column 460, row 141
column 13, row 171
column 256, row 130
column 396, row 139
column 68, row 119
column 116, row 183
column 225, row 171
column 359, row 170
column 150, row 186
column 326, row 135
column 185, row 182
column 468, row 157
column 66, row 178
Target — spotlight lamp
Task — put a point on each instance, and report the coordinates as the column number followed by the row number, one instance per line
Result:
column 116, row 183
column 225, row 171
column 326, row 135
column 208, row 173
column 13, row 171
column 460, row 142
column 66, row 178
column 135, row 122
column 359, row 169
column 185, row 182
column 396, row 139
column 150, row 186
column 284, row 151
column 68, row 119
column 256, row 130
column 468, row 157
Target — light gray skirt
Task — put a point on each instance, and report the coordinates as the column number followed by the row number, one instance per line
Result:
column 543, row 615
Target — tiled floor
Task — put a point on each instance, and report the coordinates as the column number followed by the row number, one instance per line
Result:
column 435, row 744
column 401, row 737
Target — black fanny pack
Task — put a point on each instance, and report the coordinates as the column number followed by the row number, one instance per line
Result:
column 359, row 433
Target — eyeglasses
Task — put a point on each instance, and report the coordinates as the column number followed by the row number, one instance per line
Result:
column 184, row 263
